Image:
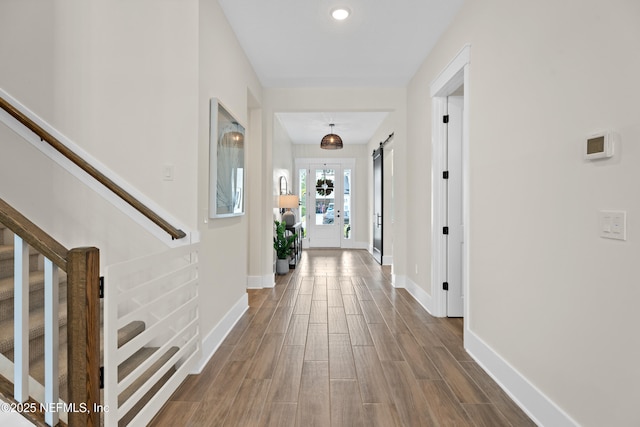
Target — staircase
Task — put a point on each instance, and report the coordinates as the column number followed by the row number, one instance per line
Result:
column 36, row 331
column 148, row 321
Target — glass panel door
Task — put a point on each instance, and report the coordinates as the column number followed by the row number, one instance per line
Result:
column 327, row 203
column 302, row 191
column 325, row 206
column 346, row 198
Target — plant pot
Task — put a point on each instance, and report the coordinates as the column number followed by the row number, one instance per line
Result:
column 282, row 266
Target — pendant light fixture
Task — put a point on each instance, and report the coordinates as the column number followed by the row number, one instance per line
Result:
column 236, row 136
column 331, row 141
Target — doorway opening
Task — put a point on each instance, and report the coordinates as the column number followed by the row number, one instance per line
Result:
column 450, row 189
column 326, row 194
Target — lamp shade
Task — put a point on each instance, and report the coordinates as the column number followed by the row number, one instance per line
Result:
column 288, row 201
column 331, row 141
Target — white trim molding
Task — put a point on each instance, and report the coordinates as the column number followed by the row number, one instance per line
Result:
column 447, row 80
column 260, row 282
column 254, row 282
column 455, row 74
column 397, row 280
column 419, row 294
column 213, row 340
column 386, row 259
column 539, row 407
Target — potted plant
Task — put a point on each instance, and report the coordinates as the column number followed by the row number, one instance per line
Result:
column 283, row 246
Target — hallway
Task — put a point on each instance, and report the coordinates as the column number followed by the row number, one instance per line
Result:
column 335, row 344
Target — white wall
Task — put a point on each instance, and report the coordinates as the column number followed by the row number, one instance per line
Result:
column 282, row 162
column 27, row 52
column 120, row 81
column 547, row 295
column 255, row 196
column 125, row 89
column 394, row 182
column 226, row 74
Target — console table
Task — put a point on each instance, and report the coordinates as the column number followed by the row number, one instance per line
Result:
column 297, row 244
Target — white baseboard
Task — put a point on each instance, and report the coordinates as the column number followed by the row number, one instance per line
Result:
column 419, row 294
column 213, row 340
column 397, row 280
column 542, row 410
column 269, row 280
column 361, row 245
column 261, row 282
column 255, row 282
column 386, row 259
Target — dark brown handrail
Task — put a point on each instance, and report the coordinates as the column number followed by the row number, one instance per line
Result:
column 174, row 232
column 33, row 235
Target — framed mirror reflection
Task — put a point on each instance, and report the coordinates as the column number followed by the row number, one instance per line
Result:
column 226, row 163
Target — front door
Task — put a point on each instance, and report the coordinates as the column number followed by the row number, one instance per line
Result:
column 325, row 205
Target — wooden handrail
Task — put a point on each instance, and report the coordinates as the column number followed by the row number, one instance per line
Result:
column 33, row 235
column 174, row 232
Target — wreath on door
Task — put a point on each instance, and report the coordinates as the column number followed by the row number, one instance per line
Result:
column 324, row 187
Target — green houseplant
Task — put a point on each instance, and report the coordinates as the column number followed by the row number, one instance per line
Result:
column 283, row 246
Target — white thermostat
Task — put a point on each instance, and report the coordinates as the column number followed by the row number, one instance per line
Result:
column 599, row 146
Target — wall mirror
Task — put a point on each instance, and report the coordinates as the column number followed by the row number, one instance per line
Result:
column 283, row 185
column 226, row 163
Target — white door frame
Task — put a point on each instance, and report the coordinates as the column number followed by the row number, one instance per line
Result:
column 450, row 79
column 345, row 163
column 323, row 234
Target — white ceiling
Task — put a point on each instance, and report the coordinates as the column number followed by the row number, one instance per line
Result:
column 353, row 127
column 296, row 43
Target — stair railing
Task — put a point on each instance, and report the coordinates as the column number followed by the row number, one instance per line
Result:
column 83, row 319
column 174, row 232
column 162, row 291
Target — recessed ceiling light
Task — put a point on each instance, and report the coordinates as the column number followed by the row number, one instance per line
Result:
column 340, row 13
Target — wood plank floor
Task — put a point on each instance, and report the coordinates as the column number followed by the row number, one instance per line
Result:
column 334, row 344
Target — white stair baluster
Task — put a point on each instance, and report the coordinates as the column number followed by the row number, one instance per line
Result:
column 21, row 320
column 51, row 341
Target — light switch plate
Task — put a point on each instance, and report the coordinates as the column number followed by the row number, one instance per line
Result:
column 167, row 172
column 613, row 224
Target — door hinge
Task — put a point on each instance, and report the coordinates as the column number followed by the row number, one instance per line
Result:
column 445, row 286
column 101, row 291
column 101, row 377
column 445, row 230
column 445, row 174
column 445, row 119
